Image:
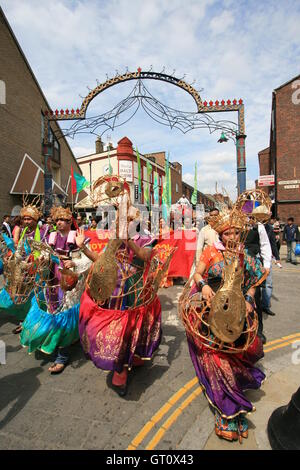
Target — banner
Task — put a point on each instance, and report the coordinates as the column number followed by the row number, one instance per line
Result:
column 183, row 258
column 184, row 240
column 98, row 239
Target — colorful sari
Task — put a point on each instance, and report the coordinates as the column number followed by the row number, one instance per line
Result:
column 224, row 377
column 113, row 334
column 6, row 303
column 52, row 320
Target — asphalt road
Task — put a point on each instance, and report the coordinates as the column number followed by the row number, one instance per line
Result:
column 164, row 407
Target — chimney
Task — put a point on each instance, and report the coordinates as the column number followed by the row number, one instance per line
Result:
column 99, row 145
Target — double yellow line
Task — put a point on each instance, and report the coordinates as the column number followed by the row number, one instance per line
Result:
column 140, row 437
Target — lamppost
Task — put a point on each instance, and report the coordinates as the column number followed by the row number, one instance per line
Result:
column 241, row 162
column 47, row 151
column 240, row 159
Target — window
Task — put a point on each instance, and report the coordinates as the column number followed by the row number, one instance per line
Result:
column 52, row 140
column 56, row 150
column 176, row 187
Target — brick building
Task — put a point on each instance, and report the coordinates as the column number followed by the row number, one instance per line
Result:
column 21, row 104
column 282, row 157
column 123, row 160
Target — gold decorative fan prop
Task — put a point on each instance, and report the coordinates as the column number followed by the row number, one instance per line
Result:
column 256, row 204
column 194, row 313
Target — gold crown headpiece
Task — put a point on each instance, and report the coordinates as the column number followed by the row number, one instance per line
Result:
column 32, row 210
column 109, row 189
column 60, row 213
column 228, row 219
column 256, row 204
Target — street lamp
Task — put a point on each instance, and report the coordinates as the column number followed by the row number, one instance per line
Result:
column 223, row 138
column 47, row 151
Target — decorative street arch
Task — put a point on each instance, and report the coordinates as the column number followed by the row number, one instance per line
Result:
column 140, row 96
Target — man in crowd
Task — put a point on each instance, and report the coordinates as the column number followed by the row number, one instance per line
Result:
column 80, row 222
column 257, row 244
column 266, row 290
column 183, row 201
column 94, row 224
column 291, row 236
column 276, row 228
column 6, row 228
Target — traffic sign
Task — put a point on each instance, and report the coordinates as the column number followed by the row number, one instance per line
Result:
column 266, row 180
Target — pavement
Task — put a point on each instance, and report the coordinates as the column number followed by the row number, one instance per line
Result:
column 164, row 408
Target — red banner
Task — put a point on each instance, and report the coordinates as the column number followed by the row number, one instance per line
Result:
column 98, row 240
column 182, row 260
column 184, row 240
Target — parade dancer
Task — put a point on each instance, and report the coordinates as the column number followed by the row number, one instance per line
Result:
column 19, row 306
column 218, row 310
column 120, row 312
column 52, row 322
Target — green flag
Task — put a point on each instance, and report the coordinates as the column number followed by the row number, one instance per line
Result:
column 170, row 189
column 194, row 195
column 165, row 197
column 139, row 170
column 78, row 182
column 147, row 186
column 167, row 182
column 156, row 189
column 110, row 169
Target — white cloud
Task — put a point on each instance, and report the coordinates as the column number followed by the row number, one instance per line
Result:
column 219, row 24
column 81, row 151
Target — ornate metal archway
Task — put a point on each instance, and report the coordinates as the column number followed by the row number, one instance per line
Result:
column 140, row 97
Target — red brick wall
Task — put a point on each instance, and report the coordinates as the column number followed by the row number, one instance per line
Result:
column 264, row 162
column 289, row 210
column 176, row 179
column 287, row 152
column 264, row 167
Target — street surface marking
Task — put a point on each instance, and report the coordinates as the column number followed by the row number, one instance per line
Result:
column 182, row 391
column 161, row 413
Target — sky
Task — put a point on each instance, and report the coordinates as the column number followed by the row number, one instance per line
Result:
column 227, row 49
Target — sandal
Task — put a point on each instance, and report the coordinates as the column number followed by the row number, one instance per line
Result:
column 56, row 368
column 17, row 330
column 119, row 382
column 243, row 426
column 226, row 428
column 137, row 361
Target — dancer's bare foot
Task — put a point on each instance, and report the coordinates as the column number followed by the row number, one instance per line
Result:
column 17, row 330
column 56, row 368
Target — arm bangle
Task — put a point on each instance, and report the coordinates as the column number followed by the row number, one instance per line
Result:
column 201, row 284
column 250, row 299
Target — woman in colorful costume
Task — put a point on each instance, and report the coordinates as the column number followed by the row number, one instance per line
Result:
column 52, row 322
column 222, row 326
column 120, row 312
column 15, row 304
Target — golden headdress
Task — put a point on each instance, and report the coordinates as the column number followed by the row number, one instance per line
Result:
column 256, row 204
column 31, row 210
column 228, row 219
column 58, row 212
